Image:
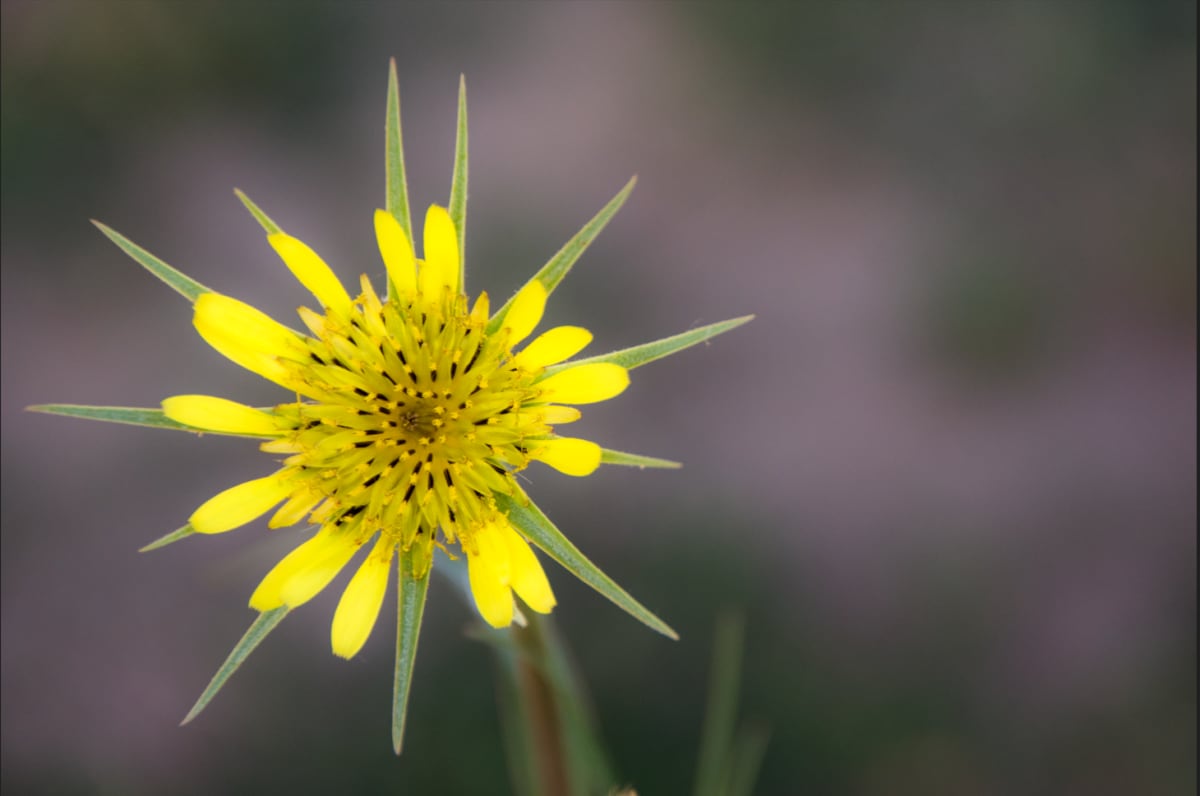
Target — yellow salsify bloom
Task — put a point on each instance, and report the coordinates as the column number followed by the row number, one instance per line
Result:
column 413, row 412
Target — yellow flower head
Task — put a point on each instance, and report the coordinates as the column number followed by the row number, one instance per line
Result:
column 410, row 414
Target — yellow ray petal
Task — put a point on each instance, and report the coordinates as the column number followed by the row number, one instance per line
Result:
column 488, row 569
column 247, row 336
column 299, row 504
column 568, row 455
column 267, row 596
column 553, row 346
column 359, row 607
column 441, row 253
column 528, row 578
column 240, row 504
column 525, row 312
column 219, row 414
column 397, row 253
column 311, row 270
column 585, row 384
column 308, row 582
column 559, row 415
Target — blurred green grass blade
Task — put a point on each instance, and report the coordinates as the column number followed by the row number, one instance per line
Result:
column 128, row 415
column 520, row 748
column 411, row 597
column 640, row 355
column 587, row 763
column 186, row 286
column 748, row 752
column 170, row 538
column 258, row 631
column 397, row 182
column 264, row 221
column 530, row 520
column 608, row 456
column 458, row 185
column 553, row 271
column 716, row 739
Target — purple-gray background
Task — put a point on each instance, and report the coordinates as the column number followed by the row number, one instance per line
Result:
column 949, row 472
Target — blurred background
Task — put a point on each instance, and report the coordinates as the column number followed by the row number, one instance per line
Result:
column 949, row 473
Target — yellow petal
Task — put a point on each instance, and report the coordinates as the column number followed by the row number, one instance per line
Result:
column 220, row 414
column 553, row 346
column 359, row 607
column 568, row 455
column 479, row 313
column 240, row 504
column 559, row 415
column 268, row 596
column 308, row 583
column 311, row 270
column 295, row 508
column 525, row 312
column 397, row 253
column 441, row 253
column 586, row 384
column 488, row 569
column 247, row 336
column 528, row 578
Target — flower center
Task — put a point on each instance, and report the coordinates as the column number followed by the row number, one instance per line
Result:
column 418, row 417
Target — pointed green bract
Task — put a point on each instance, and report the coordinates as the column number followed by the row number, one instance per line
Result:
column 186, row 286
column 535, row 525
column 748, row 751
column 264, row 221
column 397, row 182
column 129, row 415
column 171, row 538
column 640, row 355
column 411, row 598
column 608, row 456
column 258, row 631
column 458, row 184
column 553, row 272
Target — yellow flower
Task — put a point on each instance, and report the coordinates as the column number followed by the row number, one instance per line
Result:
column 410, row 414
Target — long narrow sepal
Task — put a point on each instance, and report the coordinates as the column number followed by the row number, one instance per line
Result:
column 258, row 631
column 411, row 598
column 643, row 354
column 264, row 221
column 171, row 538
column 458, row 185
column 397, row 183
column 553, row 271
column 186, row 286
column 128, row 415
column 624, row 459
column 530, row 520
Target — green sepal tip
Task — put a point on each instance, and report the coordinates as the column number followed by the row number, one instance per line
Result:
column 396, row 187
column 537, row 527
column 643, row 354
column 170, row 538
column 458, row 184
column 258, row 631
column 264, row 221
column 608, row 456
column 561, row 263
column 186, row 286
column 130, row 416
column 411, row 604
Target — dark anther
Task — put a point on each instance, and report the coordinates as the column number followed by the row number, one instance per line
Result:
column 361, row 391
column 371, row 481
column 365, row 444
column 316, row 358
column 408, row 492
